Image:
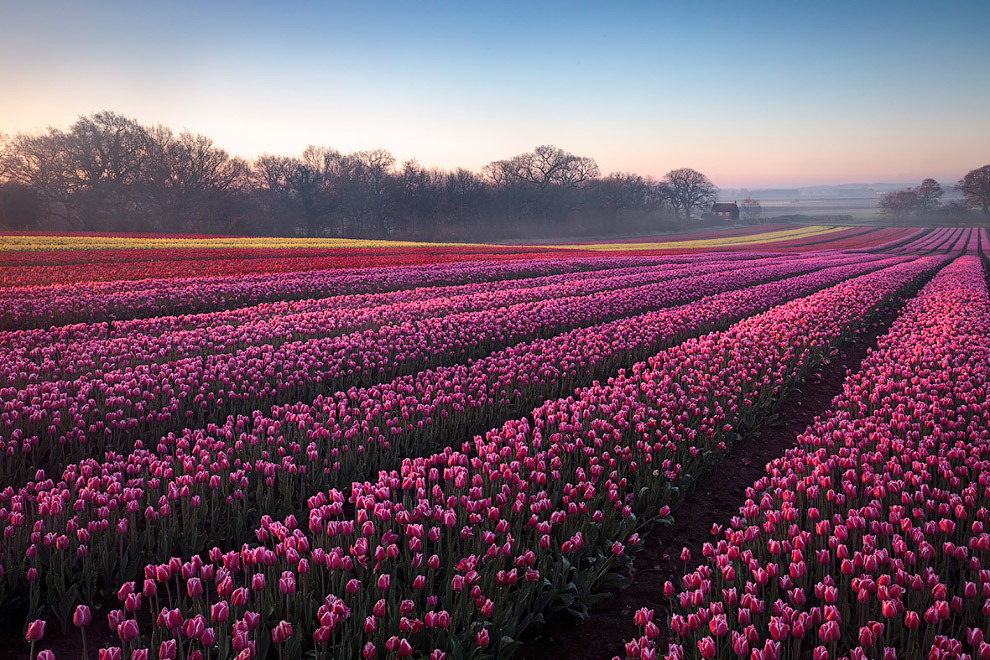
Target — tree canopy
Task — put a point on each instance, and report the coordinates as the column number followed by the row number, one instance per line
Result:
column 975, row 187
column 108, row 172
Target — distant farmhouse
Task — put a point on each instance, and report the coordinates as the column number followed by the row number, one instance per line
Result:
column 726, row 211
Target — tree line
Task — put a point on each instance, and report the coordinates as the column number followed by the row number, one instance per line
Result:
column 107, row 172
column 924, row 202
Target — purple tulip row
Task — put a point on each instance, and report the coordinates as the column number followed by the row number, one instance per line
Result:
column 889, row 245
column 41, row 357
column 293, row 451
column 964, row 241
column 413, row 414
column 40, row 307
column 41, row 341
column 48, row 423
column 973, row 242
column 871, row 538
column 944, row 239
column 457, row 552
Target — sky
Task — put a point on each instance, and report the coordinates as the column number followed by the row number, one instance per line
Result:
column 751, row 93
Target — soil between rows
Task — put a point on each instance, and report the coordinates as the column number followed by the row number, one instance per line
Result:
column 715, row 500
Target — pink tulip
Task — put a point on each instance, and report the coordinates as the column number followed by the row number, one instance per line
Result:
column 127, row 630
column 282, row 632
column 82, row 616
column 167, row 650
column 35, row 630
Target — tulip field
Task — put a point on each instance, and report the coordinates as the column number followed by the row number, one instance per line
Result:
column 279, row 448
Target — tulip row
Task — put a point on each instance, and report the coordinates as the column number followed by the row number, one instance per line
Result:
column 347, row 257
column 926, row 241
column 339, row 258
column 534, row 516
column 763, row 240
column 42, row 306
column 963, row 241
column 850, row 239
column 944, row 240
column 892, row 237
column 38, row 344
column 48, row 423
column 45, row 355
column 414, row 413
column 870, row 539
column 836, row 237
column 698, row 236
column 202, row 257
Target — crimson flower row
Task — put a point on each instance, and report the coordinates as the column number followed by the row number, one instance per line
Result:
column 34, row 342
column 38, row 358
column 232, row 266
column 39, row 306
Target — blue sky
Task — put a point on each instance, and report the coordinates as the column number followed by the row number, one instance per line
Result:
column 751, row 93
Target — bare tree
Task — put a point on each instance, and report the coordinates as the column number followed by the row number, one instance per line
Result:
column 271, row 177
column 687, row 189
column 106, row 157
column 189, row 174
column 500, row 172
column 623, row 191
column 929, row 195
column 957, row 211
column 308, row 186
column 41, row 161
column 321, row 181
column 751, row 210
column 900, row 203
column 6, row 156
column 20, row 206
column 465, row 193
column 543, row 167
column 271, row 173
column 369, row 178
column 975, row 187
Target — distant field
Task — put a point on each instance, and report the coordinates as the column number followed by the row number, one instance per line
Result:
column 860, row 209
column 33, row 260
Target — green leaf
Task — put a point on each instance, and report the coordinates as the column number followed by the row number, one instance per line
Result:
column 543, row 600
column 506, row 646
column 456, row 650
column 613, row 582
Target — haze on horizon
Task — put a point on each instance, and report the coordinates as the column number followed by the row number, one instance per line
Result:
column 753, row 95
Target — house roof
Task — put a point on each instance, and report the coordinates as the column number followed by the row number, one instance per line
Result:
column 722, row 207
